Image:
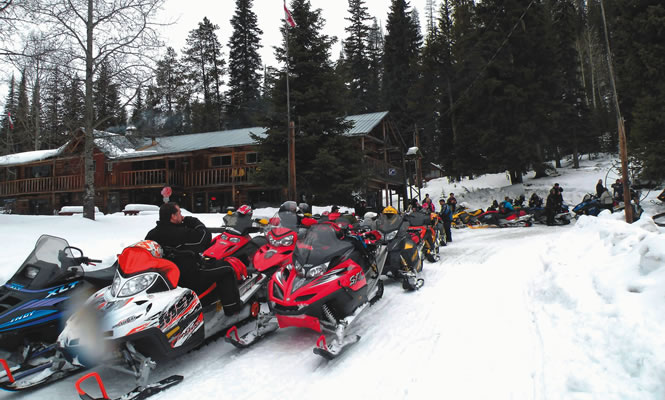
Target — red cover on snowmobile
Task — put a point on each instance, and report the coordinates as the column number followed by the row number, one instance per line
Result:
column 135, row 260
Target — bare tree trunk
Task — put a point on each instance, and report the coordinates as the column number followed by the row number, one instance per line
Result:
column 89, row 187
column 515, row 177
column 539, row 166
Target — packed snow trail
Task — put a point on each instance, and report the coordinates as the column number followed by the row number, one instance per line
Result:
column 468, row 333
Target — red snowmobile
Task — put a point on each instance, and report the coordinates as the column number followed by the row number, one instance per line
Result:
column 332, row 280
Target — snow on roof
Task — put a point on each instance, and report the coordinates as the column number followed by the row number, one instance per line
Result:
column 197, row 141
column 29, row 156
column 116, row 146
column 113, row 145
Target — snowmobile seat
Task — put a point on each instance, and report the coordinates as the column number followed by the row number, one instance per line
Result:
column 136, row 260
column 101, row 277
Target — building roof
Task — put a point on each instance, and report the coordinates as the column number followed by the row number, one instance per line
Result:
column 118, row 147
column 195, row 141
column 29, row 157
column 364, row 123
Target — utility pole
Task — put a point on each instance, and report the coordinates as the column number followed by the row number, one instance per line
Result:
column 292, row 162
column 623, row 152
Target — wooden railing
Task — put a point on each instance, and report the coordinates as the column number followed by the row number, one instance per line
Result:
column 148, row 177
column 219, row 176
column 380, row 169
column 42, row 185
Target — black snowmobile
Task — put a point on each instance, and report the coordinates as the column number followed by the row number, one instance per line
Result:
column 47, row 288
column 404, row 261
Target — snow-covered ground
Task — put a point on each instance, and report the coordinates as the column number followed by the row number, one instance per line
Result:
column 573, row 312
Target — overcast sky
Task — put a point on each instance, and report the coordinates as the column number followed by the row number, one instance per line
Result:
column 270, row 13
column 270, row 17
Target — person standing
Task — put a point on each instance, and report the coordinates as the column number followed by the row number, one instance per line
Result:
column 599, row 188
column 551, row 206
column 446, row 215
column 452, row 202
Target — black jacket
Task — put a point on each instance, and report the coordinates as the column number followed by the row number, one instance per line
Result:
column 190, row 235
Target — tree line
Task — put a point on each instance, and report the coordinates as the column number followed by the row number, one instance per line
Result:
column 497, row 85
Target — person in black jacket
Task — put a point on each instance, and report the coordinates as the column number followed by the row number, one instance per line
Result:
column 178, row 232
column 599, row 188
column 551, row 206
column 183, row 239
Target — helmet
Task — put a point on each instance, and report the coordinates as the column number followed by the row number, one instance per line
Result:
column 245, row 210
column 153, row 247
column 304, row 208
column 390, row 210
column 289, row 206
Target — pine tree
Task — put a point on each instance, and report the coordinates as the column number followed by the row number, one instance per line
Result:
column 36, row 115
column 108, row 112
column 400, row 56
column 53, row 109
column 73, row 104
column 327, row 163
column 244, row 96
column 22, row 123
column 357, row 62
column 375, row 57
column 6, row 129
column 203, row 58
column 639, row 58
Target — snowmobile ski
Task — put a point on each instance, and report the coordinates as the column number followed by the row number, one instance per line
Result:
column 264, row 326
column 31, row 377
column 332, row 350
column 139, row 393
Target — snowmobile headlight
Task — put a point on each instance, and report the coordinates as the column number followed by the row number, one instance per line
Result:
column 390, row 236
column 137, row 284
column 224, row 237
column 234, row 240
column 317, row 271
column 31, row 272
column 283, row 242
column 116, row 284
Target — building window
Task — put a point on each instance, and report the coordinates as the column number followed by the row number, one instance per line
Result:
column 252, row 158
column 221, row 161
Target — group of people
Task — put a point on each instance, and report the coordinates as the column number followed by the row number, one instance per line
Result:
column 445, row 211
column 553, row 203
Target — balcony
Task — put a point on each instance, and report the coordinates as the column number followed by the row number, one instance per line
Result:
column 42, row 185
column 155, row 178
column 383, row 171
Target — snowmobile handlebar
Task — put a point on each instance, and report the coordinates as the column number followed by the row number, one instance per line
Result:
column 85, row 260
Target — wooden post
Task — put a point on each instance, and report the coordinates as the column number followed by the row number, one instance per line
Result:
column 293, row 194
column 623, row 152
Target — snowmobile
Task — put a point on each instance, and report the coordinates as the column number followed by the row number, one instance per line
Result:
column 144, row 316
column 332, row 280
column 590, row 205
column 47, row 288
column 464, row 217
column 404, row 260
column 424, row 235
column 562, row 217
column 506, row 218
column 284, row 229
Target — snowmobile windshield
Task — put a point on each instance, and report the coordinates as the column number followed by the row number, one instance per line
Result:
column 239, row 223
column 418, row 218
column 320, row 245
column 388, row 223
column 48, row 261
column 285, row 219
